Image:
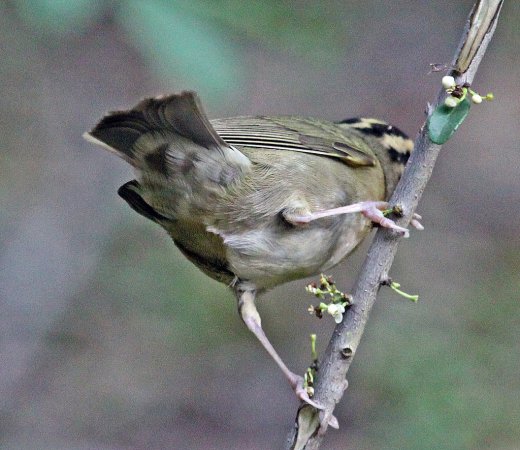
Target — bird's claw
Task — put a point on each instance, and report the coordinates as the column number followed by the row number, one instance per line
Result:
column 374, row 212
column 415, row 222
column 299, row 389
column 326, row 418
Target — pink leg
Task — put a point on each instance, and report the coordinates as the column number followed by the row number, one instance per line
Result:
column 250, row 316
column 372, row 210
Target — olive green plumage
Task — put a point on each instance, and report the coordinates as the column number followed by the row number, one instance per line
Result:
column 225, row 189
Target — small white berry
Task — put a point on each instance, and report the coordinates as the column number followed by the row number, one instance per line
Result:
column 448, row 82
column 451, row 102
column 475, row 98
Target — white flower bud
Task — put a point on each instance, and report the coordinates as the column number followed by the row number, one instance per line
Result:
column 475, row 98
column 451, row 102
column 336, row 310
column 448, row 82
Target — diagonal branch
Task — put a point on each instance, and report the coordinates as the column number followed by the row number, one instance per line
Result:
column 331, row 383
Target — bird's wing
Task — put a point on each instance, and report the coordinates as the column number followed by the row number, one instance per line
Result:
column 296, row 134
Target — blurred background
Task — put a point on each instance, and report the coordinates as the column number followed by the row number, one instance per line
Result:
column 110, row 339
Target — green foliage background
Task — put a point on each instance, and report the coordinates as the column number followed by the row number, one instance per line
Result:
column 111, row 340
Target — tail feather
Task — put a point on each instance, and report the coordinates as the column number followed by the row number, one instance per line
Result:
column 118, row 132
column 181, row 114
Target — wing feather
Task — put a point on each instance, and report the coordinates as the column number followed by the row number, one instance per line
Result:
column 295, row 134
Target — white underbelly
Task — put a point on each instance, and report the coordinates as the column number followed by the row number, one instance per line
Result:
column 266, row 259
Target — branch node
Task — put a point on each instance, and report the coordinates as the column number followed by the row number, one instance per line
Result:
column 346, row 352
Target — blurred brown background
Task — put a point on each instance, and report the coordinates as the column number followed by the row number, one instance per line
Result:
column 109, row 339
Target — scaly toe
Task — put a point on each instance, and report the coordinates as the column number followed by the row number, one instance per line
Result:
column 297, row 384
column 303, row 395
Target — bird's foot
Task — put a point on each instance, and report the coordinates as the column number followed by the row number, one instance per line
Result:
column 372, row 210
column 375, row 211
column 298, row 385
column 326, row 418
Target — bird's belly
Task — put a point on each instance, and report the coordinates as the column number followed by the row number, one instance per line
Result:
column 264, row 258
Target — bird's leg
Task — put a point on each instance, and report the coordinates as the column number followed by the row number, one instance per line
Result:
column 250, row 316
column 372, row 210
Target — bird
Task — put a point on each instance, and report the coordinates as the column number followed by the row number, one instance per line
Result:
column 256, row 201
